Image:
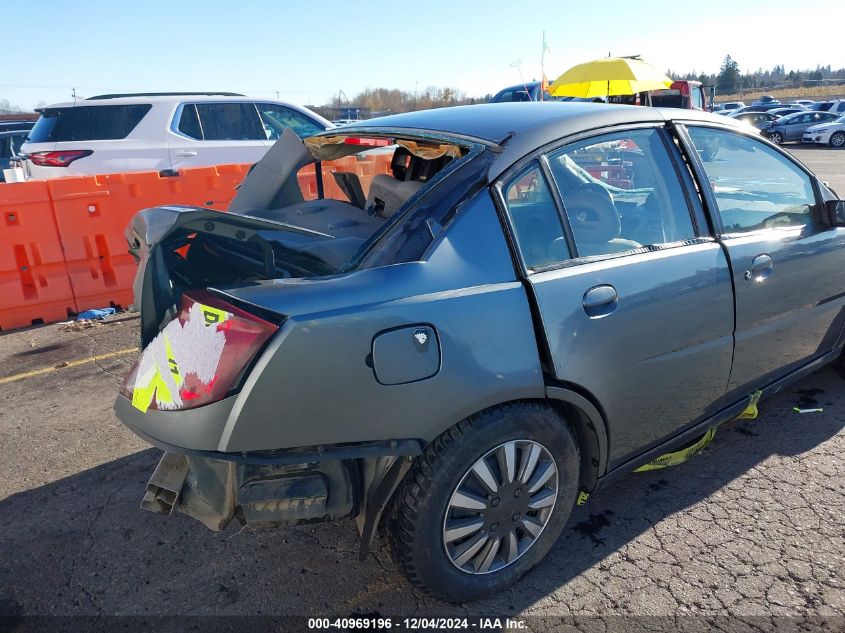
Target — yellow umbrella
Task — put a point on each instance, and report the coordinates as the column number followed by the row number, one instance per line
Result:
column 609, row 76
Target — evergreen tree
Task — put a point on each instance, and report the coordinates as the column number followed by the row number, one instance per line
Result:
column 728, row 79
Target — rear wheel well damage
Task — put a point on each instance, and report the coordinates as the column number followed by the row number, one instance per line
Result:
column 573, row 409
column 587, row 429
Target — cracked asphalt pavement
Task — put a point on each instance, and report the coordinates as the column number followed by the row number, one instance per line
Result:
column 750, row 531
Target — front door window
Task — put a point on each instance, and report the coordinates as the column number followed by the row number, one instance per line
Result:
column 756, row 187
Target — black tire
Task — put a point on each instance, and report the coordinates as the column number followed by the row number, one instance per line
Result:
column 837, row 139
column 418, row 514
column 776, row 138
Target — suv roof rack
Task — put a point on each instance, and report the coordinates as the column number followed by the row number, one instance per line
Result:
column 165, row 94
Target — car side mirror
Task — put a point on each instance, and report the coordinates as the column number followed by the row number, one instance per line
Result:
column 834, row 212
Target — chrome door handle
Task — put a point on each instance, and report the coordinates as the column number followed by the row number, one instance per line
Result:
column 600, row 300
column 761, row 267
column 186, row 153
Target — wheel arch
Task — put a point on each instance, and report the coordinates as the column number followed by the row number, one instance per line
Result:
column 584, row 417
column 590, row 431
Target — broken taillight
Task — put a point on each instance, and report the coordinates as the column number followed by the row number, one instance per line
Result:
column 197, row 357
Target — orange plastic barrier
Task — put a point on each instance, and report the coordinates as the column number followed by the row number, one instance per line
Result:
column 62, row 248
column 34, row 284
column 93, row 212
column 365, row 167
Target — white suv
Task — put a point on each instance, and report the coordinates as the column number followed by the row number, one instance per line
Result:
column 159, row 131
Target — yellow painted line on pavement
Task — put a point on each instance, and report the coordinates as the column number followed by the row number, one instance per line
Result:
column 73, row 363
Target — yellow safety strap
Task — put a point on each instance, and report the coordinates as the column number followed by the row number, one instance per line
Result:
column 679, row 457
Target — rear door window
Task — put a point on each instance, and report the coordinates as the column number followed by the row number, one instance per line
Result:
column 621, row 193
column 87, row 123
column 276, row 118
column 189, row 122
column 535, row 219
column 230, row 122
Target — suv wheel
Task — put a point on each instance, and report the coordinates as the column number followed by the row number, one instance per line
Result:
column 837, row 139
column 486, row 501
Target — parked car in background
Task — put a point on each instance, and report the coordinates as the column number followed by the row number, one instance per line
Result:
column 10, row 146
column 787, row 110
column 790, row 128
column 831, row 133
column 802, row 102
column 529, row 91
column 755, row 119
column 730, row 106
column 837, row 106
column 764, row 107
column 158, row 131
column 757, row 108
column 9, row 125
column 736, row 111
column 765, row 100
column 689, row 290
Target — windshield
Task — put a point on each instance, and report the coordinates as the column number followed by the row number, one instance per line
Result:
column 522, row 92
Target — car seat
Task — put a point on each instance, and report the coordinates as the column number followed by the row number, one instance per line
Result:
column 388, row 193
column 350, row 184
column 595, row 221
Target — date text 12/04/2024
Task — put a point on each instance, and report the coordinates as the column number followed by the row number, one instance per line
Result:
column 414, row 624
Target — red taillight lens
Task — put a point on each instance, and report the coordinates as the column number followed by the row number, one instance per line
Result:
column 197, row 357
column 367, row 142
column 58, row 159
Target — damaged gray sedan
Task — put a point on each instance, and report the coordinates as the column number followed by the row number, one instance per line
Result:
column 533, row 300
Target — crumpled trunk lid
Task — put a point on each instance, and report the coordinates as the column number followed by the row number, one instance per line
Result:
column 157, row 235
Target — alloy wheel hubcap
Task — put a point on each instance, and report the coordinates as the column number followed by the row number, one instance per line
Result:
column 500, row 507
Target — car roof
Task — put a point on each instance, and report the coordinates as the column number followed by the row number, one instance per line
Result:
column 175, row 98
column 523, row 127
column 795, row 115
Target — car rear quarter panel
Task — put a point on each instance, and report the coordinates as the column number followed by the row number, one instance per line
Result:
column 314, row 385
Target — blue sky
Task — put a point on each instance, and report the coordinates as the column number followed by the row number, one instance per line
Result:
column 308, row 51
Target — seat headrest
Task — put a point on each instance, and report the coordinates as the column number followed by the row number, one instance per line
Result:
column 400, row 163
column 592, row 214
